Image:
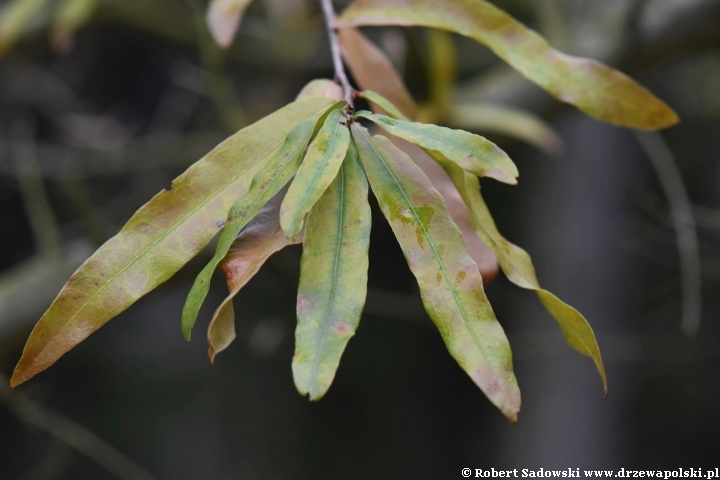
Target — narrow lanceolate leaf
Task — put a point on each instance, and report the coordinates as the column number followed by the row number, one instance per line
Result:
column 269, row 181
column 518, row 267
column 317, row 171
column 372, row 70
column 159, row 239
column 594, row 88
column 223, row 19
column 256, row 243
column 450, row 285
column 509, row 121
column 470, row 152
column 333, row 278
column 383, row 103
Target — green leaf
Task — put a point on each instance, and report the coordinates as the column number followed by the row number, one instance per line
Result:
column 14, row 19
column 159, row 239
column 383, row 103
column 518, row 267
column 223, row 19
column 333, row 278
column 269, row 181
column 256, row 243
column 317, row 171
column 509, row 121
column 450, row 285
column 470, row 152
column 372, row 70
column 594, row 88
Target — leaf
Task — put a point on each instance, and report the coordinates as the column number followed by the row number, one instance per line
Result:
column 223, row 19
column 373, row 71
column 269, row 181
column 518, row 267
column 159, row 239
column 70, row 16
column 383, row 103
column 479, row 252
column 256, row 243
column 450, row 285
column 321, row 88
column 317, row 171
column 594, row 88
column 14, row 19
column 509, row 121
column 470, row 152
column 333, row 278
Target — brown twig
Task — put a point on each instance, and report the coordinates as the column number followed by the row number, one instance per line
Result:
column 348, row 90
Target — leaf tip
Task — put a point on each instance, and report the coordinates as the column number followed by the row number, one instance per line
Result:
column 17, row 379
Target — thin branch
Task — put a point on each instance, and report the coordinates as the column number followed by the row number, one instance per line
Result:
column 336, row 55
column 681, row 213
column 71, row 434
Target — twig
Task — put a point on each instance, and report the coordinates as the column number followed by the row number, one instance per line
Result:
column 681, row 213
column 337, row 57
column 71, row 433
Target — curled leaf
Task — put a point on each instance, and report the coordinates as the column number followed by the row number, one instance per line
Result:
column 158, row 240
column 270, row 180
column 518, row 267
column 594, row 88
column 333, row 278
column 316, row 173
column 256, row 243
column 450, row 285
column 515, row 123
column 470, row 152
column 373, row 71
column 223, row 19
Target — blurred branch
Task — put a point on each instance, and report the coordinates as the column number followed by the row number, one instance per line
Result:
column 71, row 433
column 681, row 213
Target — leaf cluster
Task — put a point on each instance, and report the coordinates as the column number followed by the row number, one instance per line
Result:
column 303, row 175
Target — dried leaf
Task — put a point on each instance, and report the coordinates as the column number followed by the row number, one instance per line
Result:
column 515, row 123
column 372, row 70
column 596, row 89
column 518, row 267
column 316, row 173
column 223, row 19
column 333, row 278
column 14, row 18
column 159, row 239
column 270, row 180
column 470, row 152
column 256, row 243
column 450, row 285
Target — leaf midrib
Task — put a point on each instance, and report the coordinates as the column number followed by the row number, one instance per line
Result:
column 434, row 248
column 336, row 262
column 162, row 237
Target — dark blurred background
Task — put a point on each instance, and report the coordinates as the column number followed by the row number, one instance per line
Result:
column 94, row 120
